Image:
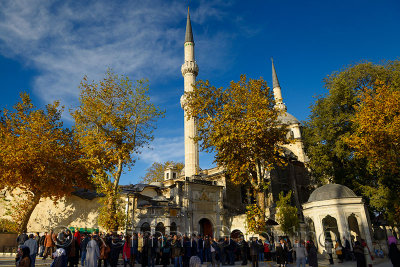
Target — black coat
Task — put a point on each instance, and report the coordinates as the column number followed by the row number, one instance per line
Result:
column 281, row 254
column 312, row 256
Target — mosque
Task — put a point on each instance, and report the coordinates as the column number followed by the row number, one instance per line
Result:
column 204, row 201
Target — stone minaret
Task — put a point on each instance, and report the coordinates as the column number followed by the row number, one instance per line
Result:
column 277, row 89
column 189, row 71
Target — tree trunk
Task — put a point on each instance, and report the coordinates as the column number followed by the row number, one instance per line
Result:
column 261, row 200
column 28, row 212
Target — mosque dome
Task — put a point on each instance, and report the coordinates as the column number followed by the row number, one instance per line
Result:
column 331, row 191
column 287, row 118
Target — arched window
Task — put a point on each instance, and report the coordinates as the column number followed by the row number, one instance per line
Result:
column 145, row 228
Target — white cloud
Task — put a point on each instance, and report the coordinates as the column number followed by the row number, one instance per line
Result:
column 65, row 40
column 163, row 149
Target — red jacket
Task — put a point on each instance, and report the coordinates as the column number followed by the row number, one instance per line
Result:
column 126, row 252
column 266, row 247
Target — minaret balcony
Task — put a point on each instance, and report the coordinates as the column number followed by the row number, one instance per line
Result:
column 190, row 67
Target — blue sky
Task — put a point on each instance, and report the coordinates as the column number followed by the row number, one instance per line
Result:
column 46, row 47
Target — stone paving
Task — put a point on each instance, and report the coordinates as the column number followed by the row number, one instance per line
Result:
column 8, row 261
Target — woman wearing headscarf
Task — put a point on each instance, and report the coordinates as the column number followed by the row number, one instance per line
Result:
column 358, row 251
column 25, row 260
column 312, row 254
column 60, row 258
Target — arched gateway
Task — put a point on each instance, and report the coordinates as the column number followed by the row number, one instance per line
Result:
column 206, row 227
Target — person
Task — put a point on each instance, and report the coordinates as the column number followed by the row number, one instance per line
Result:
column 165, row 253
column 312, row 254
column 60, row 258
column 339, row 251
column 84, row 242
column 347, row 250
column 267, row 252
column 260, row 250
column 48, row 244
column 126, row 251
column 92, row 253
column 134, row 249
column 207, row 250
column 394, row 254
column 176, row 251
column 22, row 238
column 104, row 248
column 301, row 254
column 200, row 248
column 243, row 250
column 33, row 248
column 195, row 261
column 25, row 259
column 214, row 251
column 41, row 244
column 281, row 253
column 254, row 252
column 115, row 250
column 328, row 249
column 367, row 253
column 358, row 251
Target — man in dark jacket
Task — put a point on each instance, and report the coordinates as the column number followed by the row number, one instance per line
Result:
column 200, row 248
column 254, row 249
column 22, row 238
column 243, row 250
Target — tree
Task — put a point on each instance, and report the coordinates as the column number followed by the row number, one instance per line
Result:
column 114, row 121
column 376, row 139
column 286, row 214
column 240, row 124
column 155, row 173
column 38, row 157
column 331, row 124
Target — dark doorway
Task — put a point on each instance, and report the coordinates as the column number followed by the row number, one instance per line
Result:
column 206, row 227
column 173, row 229
column 145, row 228
column 160, row 229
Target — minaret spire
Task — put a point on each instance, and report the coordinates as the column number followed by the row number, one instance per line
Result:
column 275, row 81
column 277, row 89
column 189, row 33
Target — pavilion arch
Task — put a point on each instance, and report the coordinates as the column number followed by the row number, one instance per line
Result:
column 331, row 229
column 354, row 227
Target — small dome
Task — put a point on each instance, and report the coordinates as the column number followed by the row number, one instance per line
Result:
column 158, row 184
column 287, row 118
column 331, row 191
column 160, row 199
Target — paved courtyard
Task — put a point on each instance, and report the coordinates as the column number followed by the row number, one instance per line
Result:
column 8, row 261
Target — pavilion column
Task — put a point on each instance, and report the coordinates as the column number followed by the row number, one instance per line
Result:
column 343, row 227
column 365, row 226
column 319, row 232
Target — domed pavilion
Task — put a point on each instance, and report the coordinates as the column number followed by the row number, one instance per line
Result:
column 335, row 212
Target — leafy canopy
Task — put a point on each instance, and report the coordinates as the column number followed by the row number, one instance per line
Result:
column 335, row 120
column 286, row 214
column 114, row 121
column 377, row 140
column 155, row 173
column 38, row 155
column 240, row 124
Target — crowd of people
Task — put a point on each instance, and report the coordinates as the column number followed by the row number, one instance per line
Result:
column 96, row 250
